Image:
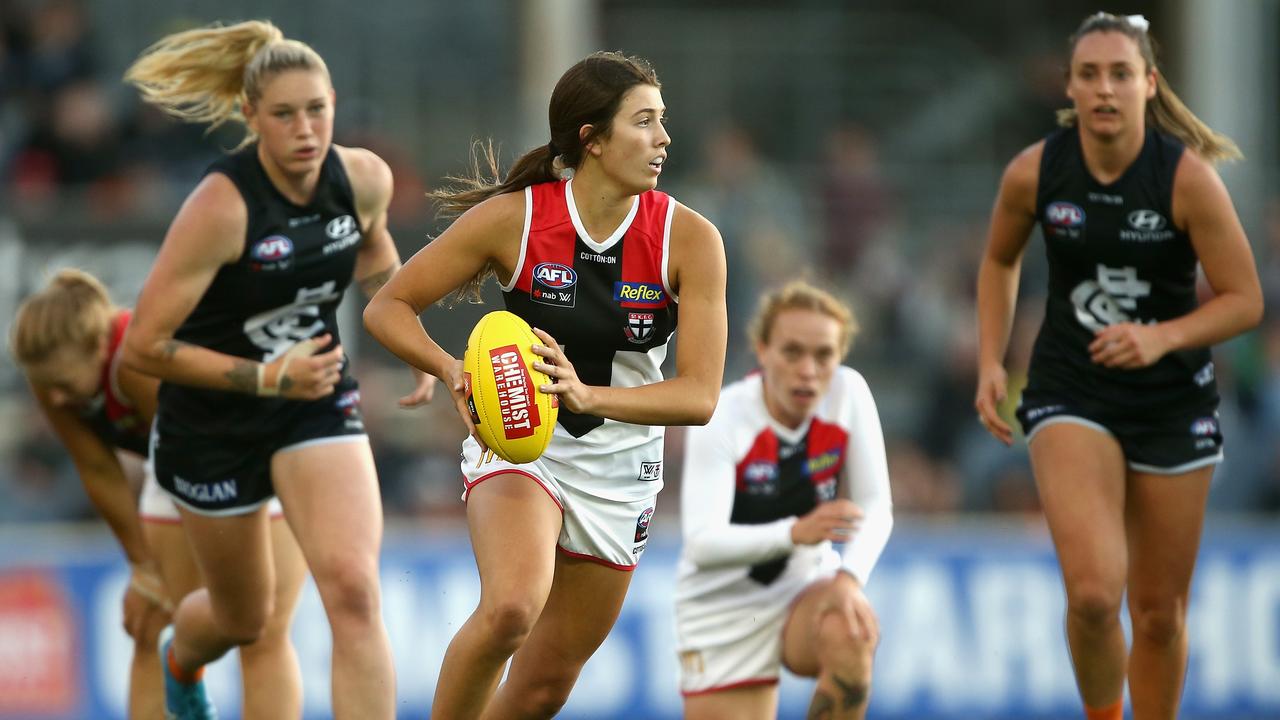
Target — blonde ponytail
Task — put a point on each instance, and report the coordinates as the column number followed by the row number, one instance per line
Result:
column 1169, row 114
column 72, row 311
column 208, row 75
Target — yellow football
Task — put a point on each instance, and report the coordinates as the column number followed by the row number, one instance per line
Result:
column 511, row 416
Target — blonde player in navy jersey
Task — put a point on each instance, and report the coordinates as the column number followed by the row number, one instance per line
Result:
column 67, row 340
column 1120, row 408
column 238, row 318
column 598, row 265
column 792, row 460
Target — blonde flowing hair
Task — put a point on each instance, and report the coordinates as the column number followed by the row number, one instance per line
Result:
column 1166, row 111
column 800, row 295
column 209, row 74
column 73, row 311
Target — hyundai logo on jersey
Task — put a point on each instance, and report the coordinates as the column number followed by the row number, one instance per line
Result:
column 340, row 227
column 274, row 252
column 630, row 294
column 1064, row 214
column 554, row 284
column 1149, row 220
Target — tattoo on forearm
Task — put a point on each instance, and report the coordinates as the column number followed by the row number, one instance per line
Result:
column 370, row 284
column 284, row 383
column 853, row 694
column 244, row 376
column 171, row 348
column 822, row 707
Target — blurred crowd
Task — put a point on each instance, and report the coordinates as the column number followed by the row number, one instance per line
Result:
column 72, row 140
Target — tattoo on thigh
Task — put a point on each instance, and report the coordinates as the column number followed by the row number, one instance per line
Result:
column 371, row 283
column 244, row 376
column 822, row 707
column 853, row 694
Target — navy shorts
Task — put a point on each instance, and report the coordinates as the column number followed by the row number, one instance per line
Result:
column 231, row 474
column 1168, row 443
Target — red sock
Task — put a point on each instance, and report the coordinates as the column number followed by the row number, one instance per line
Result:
column 1114, row 711
column 182, row 676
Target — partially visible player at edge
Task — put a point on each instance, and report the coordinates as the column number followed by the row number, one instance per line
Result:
column 1120, row 407
column 792, row 460
column 238, row 319
column 598, row 265
column 67, row 340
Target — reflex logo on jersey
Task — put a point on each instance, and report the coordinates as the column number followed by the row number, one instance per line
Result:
column 1064, row 214
column 642, row 525
column 515, row 388
column 638, row 294
column 274, row 252
column 554, row 284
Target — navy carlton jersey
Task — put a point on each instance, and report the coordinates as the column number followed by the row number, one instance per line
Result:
column 1115, row 256
column 284, row 288
column 608, row 304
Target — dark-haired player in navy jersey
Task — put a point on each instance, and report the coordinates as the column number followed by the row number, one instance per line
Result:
column 238, row 319
column 598, row 264
column 1120, row 409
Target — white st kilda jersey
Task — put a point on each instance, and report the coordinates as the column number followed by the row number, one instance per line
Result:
column 610, row 306
column 746, row 481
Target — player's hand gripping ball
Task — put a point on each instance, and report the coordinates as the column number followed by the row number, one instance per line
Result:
column 512, row 418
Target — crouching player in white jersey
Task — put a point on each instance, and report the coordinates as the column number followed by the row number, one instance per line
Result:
column 792, row 460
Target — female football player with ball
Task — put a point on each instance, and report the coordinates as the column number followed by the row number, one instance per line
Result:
column 597, row 263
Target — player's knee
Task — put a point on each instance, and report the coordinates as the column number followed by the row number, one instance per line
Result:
column 1093, row 605
column 846, row 651
column 349, row 588
column 1159, row 623
column 547, row 697
column 245, row 624
column 508, row 621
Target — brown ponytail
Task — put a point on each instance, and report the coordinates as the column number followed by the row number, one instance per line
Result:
column 589, row 93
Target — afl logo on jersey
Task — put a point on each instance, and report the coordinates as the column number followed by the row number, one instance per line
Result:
column 554, row 284
column 1204, row 427
column 274, row 252
column 1064, row 214
column 760, row 477
column 642, row 525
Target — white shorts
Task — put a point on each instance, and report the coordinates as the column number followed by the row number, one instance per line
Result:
column 733, row 637
column 156, row 505
column 613, row 533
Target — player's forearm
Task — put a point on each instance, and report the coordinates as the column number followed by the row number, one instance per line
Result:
column 109, row 491
column 997, row 296
column 677, row 401
column 181, row 362
column 733, row 545
column 396, row 326
column 1221, row 318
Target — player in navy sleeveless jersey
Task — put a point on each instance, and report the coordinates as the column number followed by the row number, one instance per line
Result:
column 67, row 339
column 237, row 318
column 1120, row 406
column 792, row 460
column 598, row 265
